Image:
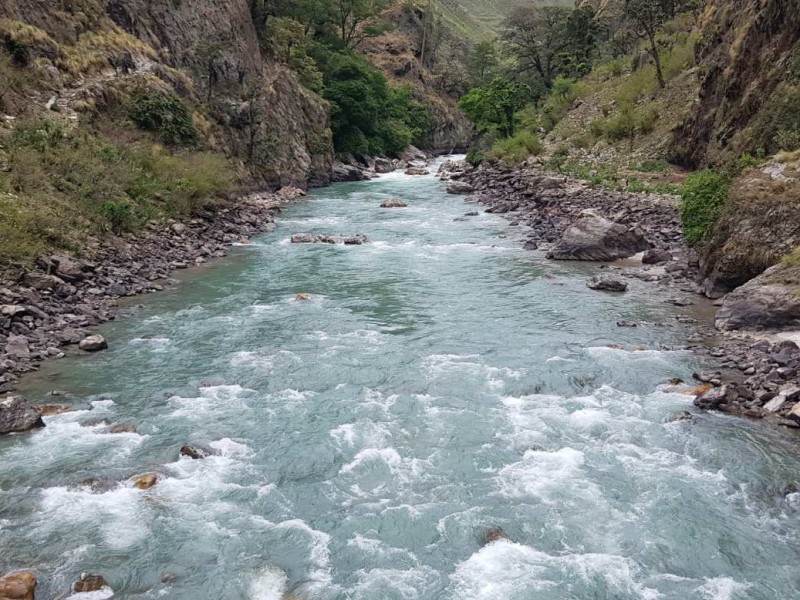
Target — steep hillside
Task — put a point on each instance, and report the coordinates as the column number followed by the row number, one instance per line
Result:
column 749, row 98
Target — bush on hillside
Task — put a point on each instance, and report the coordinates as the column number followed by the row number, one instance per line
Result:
column 704, row 194
column 165, row 114
column 516, row 149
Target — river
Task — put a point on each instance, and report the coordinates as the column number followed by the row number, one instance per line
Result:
column 438, row 382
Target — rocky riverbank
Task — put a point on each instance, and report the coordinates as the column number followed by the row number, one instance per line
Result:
column 47, row 309
column 759, row 372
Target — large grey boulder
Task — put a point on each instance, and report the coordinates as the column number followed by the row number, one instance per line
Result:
column 93, row 343
column 607, row 283
column 770, row 300
column 459, row 187
column 16, row 415
column 315, row 238
column 594, row 238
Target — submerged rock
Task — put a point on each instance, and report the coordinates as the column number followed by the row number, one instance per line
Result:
column 17, row 415
column 97, row 485
column 90, row 583
column 302, row 296
column 48, row 410
column 393, row 203
column 18, row 586
column 494, row 534
column 121, row 428
column 417, row 171
column 196, row 452
column 145, row 481
column 93, row 343
column 607, row 283
column 314, row 238
column 594, row 238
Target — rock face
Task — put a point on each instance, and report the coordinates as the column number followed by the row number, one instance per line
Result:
column 93, row 343
column 771, row 300
column 594, row 238
column 18, row 586
column 16, row 415
column 393, row 203
column 607, row 283
column 314, row 238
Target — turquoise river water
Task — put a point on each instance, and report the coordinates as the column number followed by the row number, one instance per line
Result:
column 439, row 382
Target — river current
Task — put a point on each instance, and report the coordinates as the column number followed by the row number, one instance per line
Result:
column 439, row 382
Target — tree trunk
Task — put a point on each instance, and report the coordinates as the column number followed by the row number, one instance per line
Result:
column 656, row 60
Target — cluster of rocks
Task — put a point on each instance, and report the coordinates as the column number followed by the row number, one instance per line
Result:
column 318, row 238
column 21, row 585
column 53, row 304
column 412, row 160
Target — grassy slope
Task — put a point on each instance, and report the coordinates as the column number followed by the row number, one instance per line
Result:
column 480, row 19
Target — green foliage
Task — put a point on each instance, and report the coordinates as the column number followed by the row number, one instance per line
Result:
column 652, row 166
column 367, row 116
column 493, row 107
column 482, row 62
column 165, row 114
column 475, row 157
column 704, row 194
column 61, row 185
column 517, row 148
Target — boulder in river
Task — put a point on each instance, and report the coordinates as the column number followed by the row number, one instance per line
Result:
column 494, row 534
column 393, row 203
column 592, row 237
column 607, row 283
column 93, row 343
column 89, row 583
column 315, row 238
column 302, row 296
column 145, row 481
column 17, row 415
column 121, row 428
column 18, row 586
column 48, row 410
column 417, row 171
column 196, row 452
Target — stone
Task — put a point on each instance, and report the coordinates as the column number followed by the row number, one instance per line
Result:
column 121, row 428
column 417, row 171
column 383, row 165
column 290, row 193
column 607, row 283
column 12, row 310
column 48, row 410
column 594, row 238
column 41, row 281
column 626, row 323
column 17, row 347
column 393, row 203
column 18, row 586
column 459, row 187
column 712, row 377
column 654, row 256
column 17, row 415
column 195, row 452
column 776, row 404
column 412, row 153
column 98, row 485
column 343, row 172
column 89, row 583
column 494, row 534
column 683, row 415
column 145, row 481
column 768, row 301
column 712, row 399
column 93, row 343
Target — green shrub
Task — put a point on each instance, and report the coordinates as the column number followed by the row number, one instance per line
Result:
column 704, row 194
column 622, row 125
column 646, row 121
column 165, row 114
column 652, row 166
column 518, row 148
column 475, row 157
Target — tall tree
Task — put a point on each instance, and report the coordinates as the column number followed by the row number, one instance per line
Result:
column 537, row 37
column 645, row 18
column 493, row 107
column 351, row 15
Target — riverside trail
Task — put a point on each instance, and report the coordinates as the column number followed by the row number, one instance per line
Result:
column 438, row 382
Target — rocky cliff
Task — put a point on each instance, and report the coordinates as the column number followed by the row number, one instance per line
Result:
column 749, row 97
column 207, row 51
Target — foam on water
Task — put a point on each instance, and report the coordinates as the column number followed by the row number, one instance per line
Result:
column 269, row 584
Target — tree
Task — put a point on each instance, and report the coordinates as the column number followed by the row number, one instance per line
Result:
column 482, row 61
column 645, row 18
column 350, row 16
column 492, row 107
column 537, row 37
